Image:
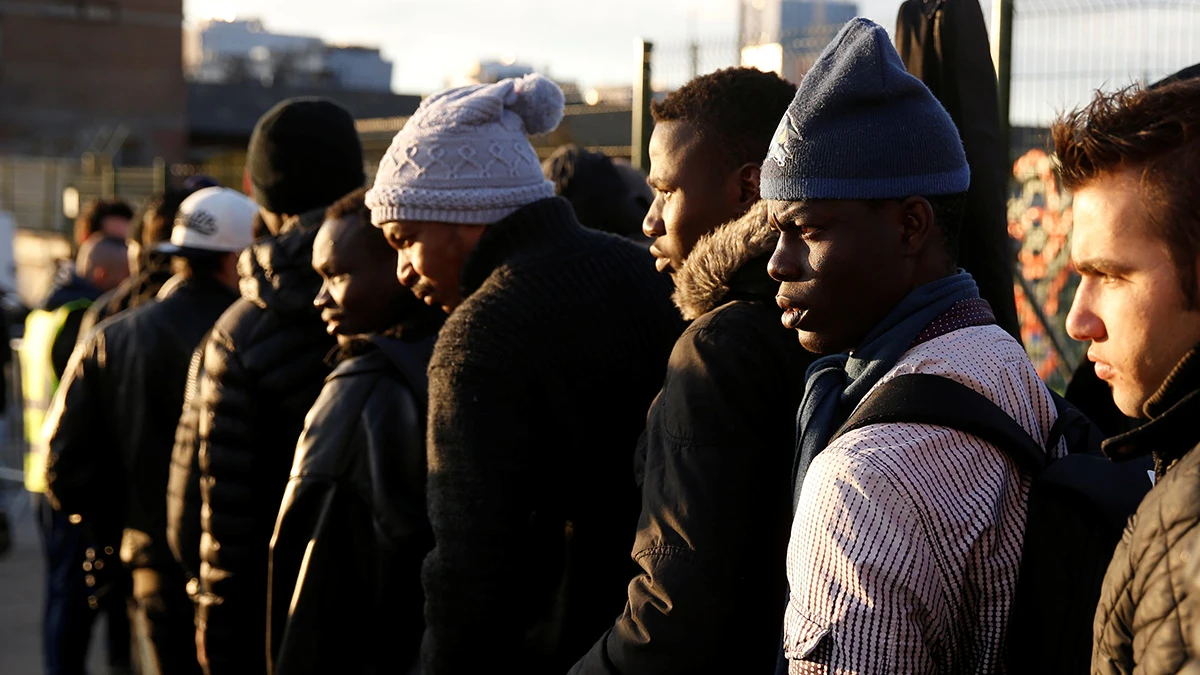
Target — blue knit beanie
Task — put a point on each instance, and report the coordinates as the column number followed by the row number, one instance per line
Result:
column 861, row 127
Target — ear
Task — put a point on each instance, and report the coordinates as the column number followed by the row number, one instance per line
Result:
column 917, row 226
column 748, row 177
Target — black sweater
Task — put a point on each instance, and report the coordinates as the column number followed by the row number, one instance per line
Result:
column 539, row 386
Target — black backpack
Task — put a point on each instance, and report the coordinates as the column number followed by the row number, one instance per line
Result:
column 1078, row 508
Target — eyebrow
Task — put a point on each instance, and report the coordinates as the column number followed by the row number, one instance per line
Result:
column 1101, row 266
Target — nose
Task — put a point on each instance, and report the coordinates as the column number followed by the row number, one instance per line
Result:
column 653, row 225
column 1083, row 323
column 323, row 299
column 391, row 232
column 788, row 261
column 406, row 274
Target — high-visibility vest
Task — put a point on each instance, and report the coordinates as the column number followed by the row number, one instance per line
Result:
column 38, row 384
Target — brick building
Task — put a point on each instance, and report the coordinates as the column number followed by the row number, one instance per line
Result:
column 93, row 75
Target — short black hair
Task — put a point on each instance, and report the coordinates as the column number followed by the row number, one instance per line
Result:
column 353, row 204
column 739, row 107
column 92, row 218
column 199, row 264
column 949, row 211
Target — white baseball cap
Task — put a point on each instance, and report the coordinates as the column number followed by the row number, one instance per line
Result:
column 215, row 219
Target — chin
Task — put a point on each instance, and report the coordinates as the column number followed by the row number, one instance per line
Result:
column 819, row 344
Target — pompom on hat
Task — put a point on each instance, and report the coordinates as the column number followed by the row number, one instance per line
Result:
column 464, row 156
column 862, row 127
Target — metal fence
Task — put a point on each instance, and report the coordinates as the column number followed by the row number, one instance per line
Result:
column 1064, row 50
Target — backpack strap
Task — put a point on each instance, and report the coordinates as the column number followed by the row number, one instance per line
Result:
column 921, row 398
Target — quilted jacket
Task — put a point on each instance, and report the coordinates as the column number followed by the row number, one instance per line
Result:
column 1145, row 621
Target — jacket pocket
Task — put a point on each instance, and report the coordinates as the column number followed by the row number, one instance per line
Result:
column 802, row 635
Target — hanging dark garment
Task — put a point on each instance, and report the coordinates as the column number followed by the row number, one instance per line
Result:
column 945, row 44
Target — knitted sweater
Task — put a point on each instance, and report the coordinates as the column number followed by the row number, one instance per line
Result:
column 539, row 386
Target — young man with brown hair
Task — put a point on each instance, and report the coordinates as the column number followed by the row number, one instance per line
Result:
column 1132, row 160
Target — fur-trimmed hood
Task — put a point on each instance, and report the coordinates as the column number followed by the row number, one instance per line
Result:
column 708, row 274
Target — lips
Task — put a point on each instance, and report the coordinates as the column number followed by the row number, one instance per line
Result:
column 661, row 262
column 1105, row 372
column 793, row 312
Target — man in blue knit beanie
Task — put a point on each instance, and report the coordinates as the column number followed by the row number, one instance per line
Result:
column 907, row 538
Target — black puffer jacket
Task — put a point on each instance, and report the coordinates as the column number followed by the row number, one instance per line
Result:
column 183, row 483
column 345, row 576
column 538, row 390
column 263, row 369
column 716, row 466
column 1145, row 619
column 114, row 426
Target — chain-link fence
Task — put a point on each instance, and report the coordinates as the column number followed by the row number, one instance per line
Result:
column 1064, row 50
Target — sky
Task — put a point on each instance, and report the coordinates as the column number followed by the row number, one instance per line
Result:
column 1059, row 58
column 588, row 41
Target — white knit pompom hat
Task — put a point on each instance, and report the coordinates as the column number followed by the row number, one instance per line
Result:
column 464, row 156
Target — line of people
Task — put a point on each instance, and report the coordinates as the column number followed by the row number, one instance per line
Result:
column 419, row 427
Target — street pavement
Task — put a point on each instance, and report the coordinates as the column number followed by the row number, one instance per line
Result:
column 21, row 588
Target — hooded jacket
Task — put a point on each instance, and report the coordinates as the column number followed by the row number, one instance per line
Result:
column 715, row 465
column 538, row 389
column 1144, row 621
column 353, row 529
column 264, row 366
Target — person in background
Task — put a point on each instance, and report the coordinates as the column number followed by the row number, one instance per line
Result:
column 600, row 195
column 556, row 341
column 345, row 587
column 111, row 218
column 1132, row 162
column 113, row 424
column 907, row 538
column 51, row 331
column 263, row 368
column 149, row 269
column 716, row 458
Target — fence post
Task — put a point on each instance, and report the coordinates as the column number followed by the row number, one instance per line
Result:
column 642, row 95
column 108, row 178
column 160, row 175
column 1002, row 18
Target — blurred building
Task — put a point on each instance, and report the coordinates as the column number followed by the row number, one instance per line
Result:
column 100, row 76
column 787, row 36
column 492, row 71
column 242, row 51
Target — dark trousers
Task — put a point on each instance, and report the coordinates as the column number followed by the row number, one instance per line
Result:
column 68, row 620
column 164, row 625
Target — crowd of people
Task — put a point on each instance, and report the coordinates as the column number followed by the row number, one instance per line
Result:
column 492, row 413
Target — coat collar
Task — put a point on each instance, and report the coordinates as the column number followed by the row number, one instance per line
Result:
column 1170, row 429
column 718, row 269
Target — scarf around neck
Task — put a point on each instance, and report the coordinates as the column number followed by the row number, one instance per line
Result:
column 836, row 384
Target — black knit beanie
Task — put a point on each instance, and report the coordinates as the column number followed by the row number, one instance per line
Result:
column 304, row 154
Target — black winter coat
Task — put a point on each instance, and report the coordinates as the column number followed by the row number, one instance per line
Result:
column 345, row 575
column 114, row 422
column 264, row 366
column 1144, row 621
column 716, row 471
column 945, row 44
column 183, row 483
column 538, row 389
